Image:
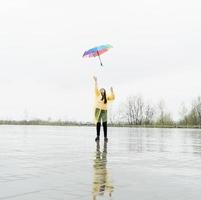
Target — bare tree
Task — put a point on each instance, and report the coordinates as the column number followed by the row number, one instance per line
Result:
column 149, row 114
column 134, row 110
column 197, row 109
column 161, row 112
column 164, row 117
column 183, row 114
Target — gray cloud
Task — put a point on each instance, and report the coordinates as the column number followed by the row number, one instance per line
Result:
column 156, row 52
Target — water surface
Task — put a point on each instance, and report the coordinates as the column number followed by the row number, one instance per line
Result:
column 64, row 163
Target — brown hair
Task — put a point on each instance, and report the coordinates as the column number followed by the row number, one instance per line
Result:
column 104, row 96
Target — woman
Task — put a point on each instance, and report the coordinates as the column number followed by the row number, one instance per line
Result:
column 101, row 109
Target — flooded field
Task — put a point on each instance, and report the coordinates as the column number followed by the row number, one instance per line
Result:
column 64, row 163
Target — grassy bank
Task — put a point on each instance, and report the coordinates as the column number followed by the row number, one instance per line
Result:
column 72, row 123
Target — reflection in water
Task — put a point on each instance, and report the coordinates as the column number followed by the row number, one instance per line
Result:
column 178, row 141
column 196, row 144
column 101, row 183
column 141, row 140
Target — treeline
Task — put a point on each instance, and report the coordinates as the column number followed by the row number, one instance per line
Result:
column 43, row 122
column 192, row 115
column 137, row 112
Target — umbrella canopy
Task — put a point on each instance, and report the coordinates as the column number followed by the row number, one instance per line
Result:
column 97, row 51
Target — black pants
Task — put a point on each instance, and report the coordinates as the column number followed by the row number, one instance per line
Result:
column 98, row 126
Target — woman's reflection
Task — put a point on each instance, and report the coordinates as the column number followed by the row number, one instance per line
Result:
column 101, row 184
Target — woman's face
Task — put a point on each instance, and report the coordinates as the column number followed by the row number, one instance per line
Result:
column 102, row 91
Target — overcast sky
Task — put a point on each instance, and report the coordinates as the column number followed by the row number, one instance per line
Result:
column 157, row 48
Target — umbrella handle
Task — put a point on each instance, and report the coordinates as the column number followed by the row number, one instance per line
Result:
column 99, row 59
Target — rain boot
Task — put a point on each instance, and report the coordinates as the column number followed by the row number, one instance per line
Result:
column 105, row 131
column 98, row 125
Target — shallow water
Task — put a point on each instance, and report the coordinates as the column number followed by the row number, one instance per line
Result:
column 64, row 163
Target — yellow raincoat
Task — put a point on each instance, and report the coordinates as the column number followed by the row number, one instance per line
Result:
column 100, row 105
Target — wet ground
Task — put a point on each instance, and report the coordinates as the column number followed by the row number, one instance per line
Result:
column 64, row 163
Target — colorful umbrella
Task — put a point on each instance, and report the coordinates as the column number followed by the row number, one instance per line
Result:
column 97, row 51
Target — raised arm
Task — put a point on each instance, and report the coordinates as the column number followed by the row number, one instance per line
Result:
column 97, row 93
column 111, row 97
